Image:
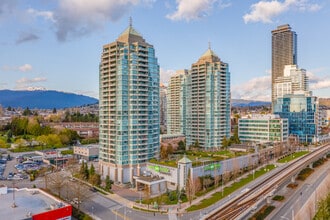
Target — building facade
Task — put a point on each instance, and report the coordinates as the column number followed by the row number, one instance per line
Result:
column 292, row 81
column 177, row 103
column 129, row 106
column 163, row 104
column 208, row 102
column 263, row 128
column 86, row 152
column 301, row 110
column 284, row 52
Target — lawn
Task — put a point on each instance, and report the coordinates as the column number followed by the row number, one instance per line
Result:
column 230, row 189
column 292, row 156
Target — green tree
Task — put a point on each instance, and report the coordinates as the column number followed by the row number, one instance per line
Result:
column 3, row 144
column 33, row 127
column 323, row 209
column 86, row 172
column 95, row 179
column 9, row 136
column 91, row 170
column 27, row 112
column 224, row 142
column 181, row 145
column 19, row 125
column 82, row 169
column 108, row 183
column 68, row 136
column 54, row 110
column 196, row 144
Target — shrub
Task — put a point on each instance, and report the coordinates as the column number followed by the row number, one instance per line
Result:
column 278, row 198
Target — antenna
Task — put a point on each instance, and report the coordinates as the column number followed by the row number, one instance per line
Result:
column 209, row 45
column 130, row 21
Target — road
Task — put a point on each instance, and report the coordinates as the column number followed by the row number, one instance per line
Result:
column 239, row 207
column 302, row 194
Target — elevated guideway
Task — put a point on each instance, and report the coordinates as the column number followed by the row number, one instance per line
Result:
column 240, row 206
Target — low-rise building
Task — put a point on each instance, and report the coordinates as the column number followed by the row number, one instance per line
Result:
column 86, row 152
column 32, row 204
column 263, row 128
column 158, row 178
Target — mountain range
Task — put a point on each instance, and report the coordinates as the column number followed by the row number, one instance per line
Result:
column 248, row 103
column 49, row 99
column 43, row 99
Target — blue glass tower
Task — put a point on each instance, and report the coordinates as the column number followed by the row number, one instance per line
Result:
column 208, row 103
column 129, row 106
column 302, row 112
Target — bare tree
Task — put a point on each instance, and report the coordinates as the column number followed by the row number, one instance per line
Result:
column 57, row 182
column 192, row 186
column 72, row 166
column 147, row 194
column 236, row 168
column 217, row 179
column 79, row 193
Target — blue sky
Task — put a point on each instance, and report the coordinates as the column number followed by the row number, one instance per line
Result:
column 56, row 44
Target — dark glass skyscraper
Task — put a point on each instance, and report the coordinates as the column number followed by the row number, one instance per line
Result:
column 284, row 52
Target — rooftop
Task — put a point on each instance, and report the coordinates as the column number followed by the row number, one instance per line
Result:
column 28, row 202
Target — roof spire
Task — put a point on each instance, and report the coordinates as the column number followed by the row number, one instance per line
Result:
column 209, row 45
column 130, row 21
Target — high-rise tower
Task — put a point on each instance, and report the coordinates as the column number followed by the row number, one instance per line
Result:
column 284, row 52
column 177, row 105
column 129, row 106
column 208, row 106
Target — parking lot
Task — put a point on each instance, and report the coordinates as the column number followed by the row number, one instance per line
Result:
column 14, row 168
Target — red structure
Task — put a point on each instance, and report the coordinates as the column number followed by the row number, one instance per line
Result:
column 63, row 213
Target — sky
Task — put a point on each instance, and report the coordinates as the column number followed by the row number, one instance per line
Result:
column 57, row 44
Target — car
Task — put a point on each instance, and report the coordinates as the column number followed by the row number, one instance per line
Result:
column 93, row 189
column 75, row 201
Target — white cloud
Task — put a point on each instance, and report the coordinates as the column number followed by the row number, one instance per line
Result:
column 316, row 82
column 48, row 15
column 25, row 83
column 255, row 89
column 323, row 84
column 75, row 18
column 265, row 11
column 23, row 68
column 29, row 81
column 192, row 10
column 165, row 75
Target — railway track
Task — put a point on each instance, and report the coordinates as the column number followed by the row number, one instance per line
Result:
column 241, row 204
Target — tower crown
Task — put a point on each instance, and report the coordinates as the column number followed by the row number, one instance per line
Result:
column 131, row 35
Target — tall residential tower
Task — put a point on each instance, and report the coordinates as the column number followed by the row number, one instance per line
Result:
column 208, row 105
column 177, row 105
column 284, row 52
column 129, row 106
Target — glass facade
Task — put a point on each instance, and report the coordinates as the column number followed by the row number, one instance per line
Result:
column 208, row 111
column 263, row 128
column 129, row 101
column 302, row 114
